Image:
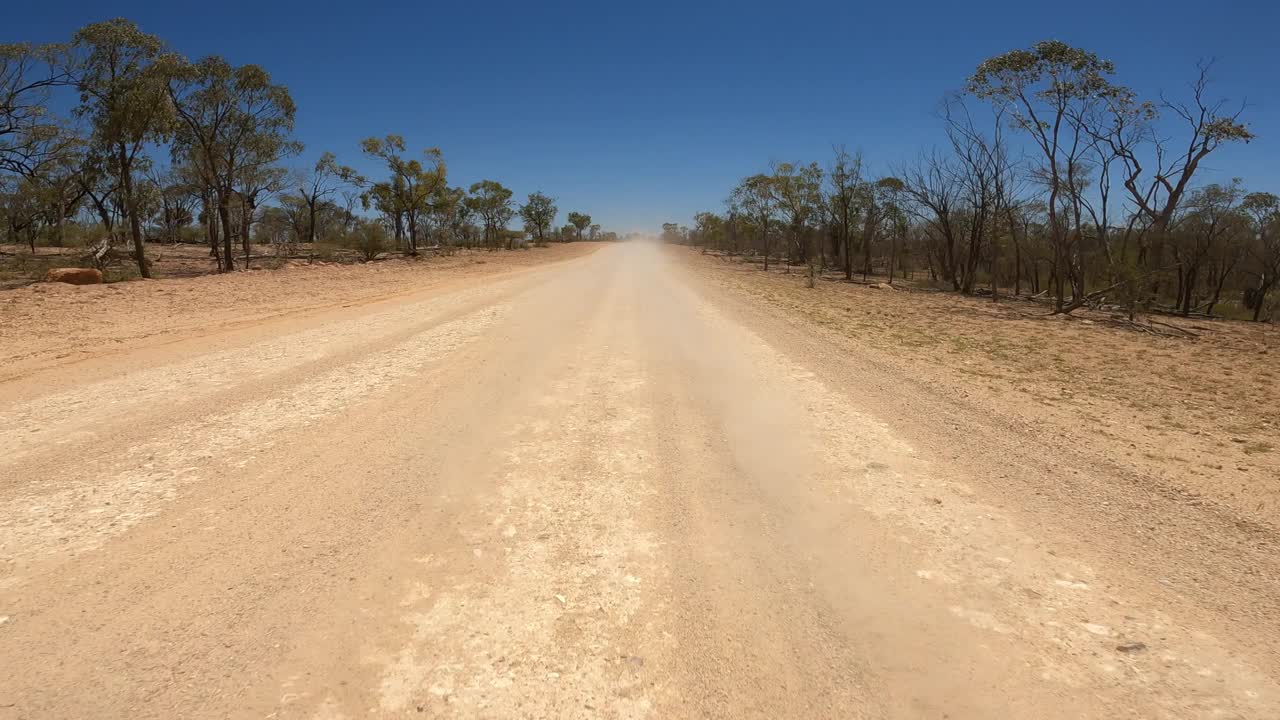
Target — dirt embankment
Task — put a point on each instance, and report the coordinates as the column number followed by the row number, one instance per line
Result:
column 1198, row 414
column 53, row 323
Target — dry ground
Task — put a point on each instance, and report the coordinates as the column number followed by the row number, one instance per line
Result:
column 52, row 322
column 628, row 483
column 1199, row 416
column 19, row 266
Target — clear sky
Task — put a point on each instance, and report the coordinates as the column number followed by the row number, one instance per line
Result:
column 649, row 111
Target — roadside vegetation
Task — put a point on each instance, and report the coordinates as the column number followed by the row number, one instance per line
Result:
column 115, row 149
column 1054, row 183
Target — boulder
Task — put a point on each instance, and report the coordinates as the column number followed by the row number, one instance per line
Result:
column 74, row 276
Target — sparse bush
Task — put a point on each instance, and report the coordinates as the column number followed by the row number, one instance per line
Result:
column 368, row 238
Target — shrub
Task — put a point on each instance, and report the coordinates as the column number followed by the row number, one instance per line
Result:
column 368, row 238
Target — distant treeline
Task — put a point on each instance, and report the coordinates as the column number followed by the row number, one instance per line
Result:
column 1054, row 180
column 157, row 147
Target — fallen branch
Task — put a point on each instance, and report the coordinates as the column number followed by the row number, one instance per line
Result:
column 1172, row 327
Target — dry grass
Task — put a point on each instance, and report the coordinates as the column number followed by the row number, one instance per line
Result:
column 1201, row 413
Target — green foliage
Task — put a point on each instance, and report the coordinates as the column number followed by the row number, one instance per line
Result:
column 407, row 196
column 539, row 214
column 121, row 83
column 798, row 190
column 580, row 221
column 232, row 122
column 368, row 238
column 30, row 135
column 491, row 201
column 1263, row 207
column 230, row 117
column 1051, row 71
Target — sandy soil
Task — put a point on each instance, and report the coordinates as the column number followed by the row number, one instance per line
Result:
column 44, row 322
column 614, row 486
column 1199, row 415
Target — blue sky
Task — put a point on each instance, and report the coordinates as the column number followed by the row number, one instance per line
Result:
column 644, row 112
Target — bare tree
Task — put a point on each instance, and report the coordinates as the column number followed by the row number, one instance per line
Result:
column 844, row 177
column 1129, row 131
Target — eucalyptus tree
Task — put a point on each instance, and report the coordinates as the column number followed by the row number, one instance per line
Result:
column 580, row 221
column 985, row 175
column 57, row 184
column 455, row 215
column 118, row 72
column 877, row 201
column 30, row 135
column 491, row 201
column 386, row 198
column 20, row 207
column 443, row 205
column 934, row 196
column 709, row 230
column 100, row 186
column 255, row 185
column 178, row 198
column 895, row 217
column 413, row 183
column 1210, row 221
column 799, row 192
column 757, row 196
column 325, row 180
column 1046, row 91
column 841, row 204
column 1156, row 172
column 230, row 120
column 1263, row 210
column 539, row 214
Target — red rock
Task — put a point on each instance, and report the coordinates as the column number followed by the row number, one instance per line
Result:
column 74, row 276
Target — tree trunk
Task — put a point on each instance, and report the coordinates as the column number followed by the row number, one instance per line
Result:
column 1261, row 297
column 1155, row 255
column 246, row 224
column 135, row 226
column 211, row 228
column 1221, row 280
column 1017, row 266
column 1055, row 279
column 995, row 284
column 1188, row 290
column 893, row 253
column 848, row 251
column 311, row 223
column 224, row 217
column 764, row 236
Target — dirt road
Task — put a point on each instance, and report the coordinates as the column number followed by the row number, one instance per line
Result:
column 598, row 488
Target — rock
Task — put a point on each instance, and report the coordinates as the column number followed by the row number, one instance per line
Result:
column 74, row 276
column 1132, row 647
